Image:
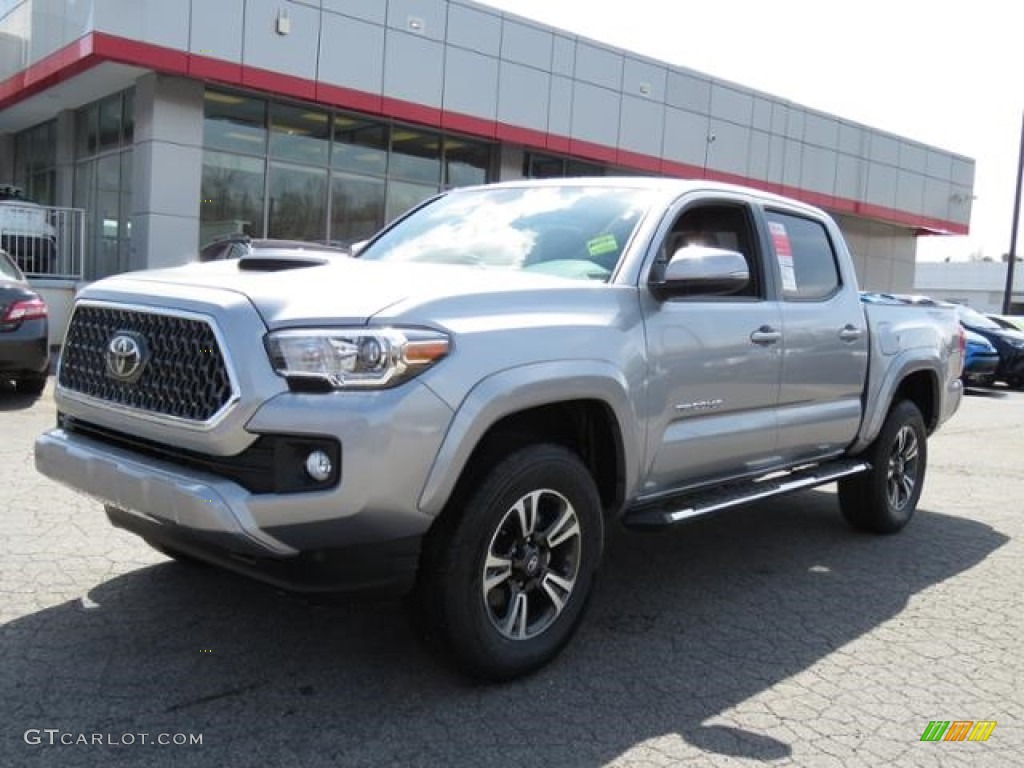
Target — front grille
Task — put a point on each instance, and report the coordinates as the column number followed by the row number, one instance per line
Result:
column 185, row 376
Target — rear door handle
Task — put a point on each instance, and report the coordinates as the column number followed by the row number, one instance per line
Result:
column 766, row 335
column 850, row 333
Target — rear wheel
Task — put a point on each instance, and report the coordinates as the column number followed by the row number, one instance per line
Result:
column 883, row 499
column 506, row 575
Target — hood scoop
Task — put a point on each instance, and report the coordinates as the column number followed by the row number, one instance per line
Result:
column 280, row 262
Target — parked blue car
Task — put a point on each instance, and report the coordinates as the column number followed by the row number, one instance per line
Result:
column 981, row 361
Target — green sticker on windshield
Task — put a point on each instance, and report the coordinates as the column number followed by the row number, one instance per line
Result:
column 602, row 244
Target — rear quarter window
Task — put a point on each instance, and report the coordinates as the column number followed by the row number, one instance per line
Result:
column 805, row 256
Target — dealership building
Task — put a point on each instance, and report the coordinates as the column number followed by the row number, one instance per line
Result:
column 157, row 125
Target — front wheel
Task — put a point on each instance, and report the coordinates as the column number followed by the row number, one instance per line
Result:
column 507, row 573
column 883, row 499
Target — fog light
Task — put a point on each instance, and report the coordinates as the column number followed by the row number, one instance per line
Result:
column 318, row 466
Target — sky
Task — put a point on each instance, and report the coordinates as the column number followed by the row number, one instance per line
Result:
column 949, row 74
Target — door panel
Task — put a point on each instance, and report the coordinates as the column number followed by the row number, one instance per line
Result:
column 825, row 348
column 712, row 391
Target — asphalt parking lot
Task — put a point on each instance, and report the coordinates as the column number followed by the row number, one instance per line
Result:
column 770, row 635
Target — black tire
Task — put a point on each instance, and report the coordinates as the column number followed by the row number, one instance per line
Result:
column 489, row 589
column 31, row 385
column 883, row 499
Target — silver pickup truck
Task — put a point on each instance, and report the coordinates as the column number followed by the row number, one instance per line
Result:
column 460, row 411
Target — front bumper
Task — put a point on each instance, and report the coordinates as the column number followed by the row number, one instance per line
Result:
column 362, row 534
column 981, row 367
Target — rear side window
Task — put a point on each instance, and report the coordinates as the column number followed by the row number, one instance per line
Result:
column 806, row 258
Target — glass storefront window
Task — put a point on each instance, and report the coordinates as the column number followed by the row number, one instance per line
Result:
column 235, row 123
column 294, row 171
column 403, row 195
column 465, row 162
column 357, row 207
column 87, row 139
column 128, row 118
column 232, row 195
column 415, row 156
column 359, row 146
column 297, row 202
column 110, row 123
column 299, row 135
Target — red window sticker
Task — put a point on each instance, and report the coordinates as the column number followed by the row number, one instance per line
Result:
column 783, row 254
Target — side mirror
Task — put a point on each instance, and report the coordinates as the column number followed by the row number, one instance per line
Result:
column 698, row 270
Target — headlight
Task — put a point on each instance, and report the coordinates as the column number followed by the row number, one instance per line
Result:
column 1018, row 343
column 354, row 358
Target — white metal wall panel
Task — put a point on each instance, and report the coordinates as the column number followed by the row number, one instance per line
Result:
column 686, row 135
column 849, row 177
column 963, row 172
column 689, row 92
column 731, row 104
column 646, row 79
column 598, row 66
column 352, row 53
column 471, row 83
column 936, row 198
column 474, row 29
column 762, row 117
column 939, row 165
column 526, row 44
column 164, row 24
column 818, row 169
column 909, row 191
column 293, row 54
column 427, row 18
column 207, row 29
column 730, row 150
column 881, row 189
column 792, row 161
column 641, row 126
column 757, row 162
column 821, row 131
column 47, row 28
column 413, row 68
column 525, row 94
column 913, row 157
column 560, row 114
column 884, row 149
column 367, row 10
column 595, row 114
column 852, row 140
column 795, row 117
column 780, row 117
column 563, row 56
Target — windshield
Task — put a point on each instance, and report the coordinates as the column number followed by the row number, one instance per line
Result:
column 975, row 319
column 571, row 231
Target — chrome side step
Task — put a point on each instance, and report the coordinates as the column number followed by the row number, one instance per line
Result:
column 676, row 510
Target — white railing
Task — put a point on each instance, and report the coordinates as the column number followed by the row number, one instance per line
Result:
column 45, row 241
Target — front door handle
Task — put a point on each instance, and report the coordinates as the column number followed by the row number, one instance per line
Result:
column 850, row 333
column 766, row 335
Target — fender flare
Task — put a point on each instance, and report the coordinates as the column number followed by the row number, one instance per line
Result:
column 518, row 389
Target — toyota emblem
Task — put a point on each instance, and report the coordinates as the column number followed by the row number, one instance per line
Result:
column 127, row 355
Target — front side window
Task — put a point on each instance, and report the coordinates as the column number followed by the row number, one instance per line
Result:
column 571, row 231
column 716, row 225
column 805, row 257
